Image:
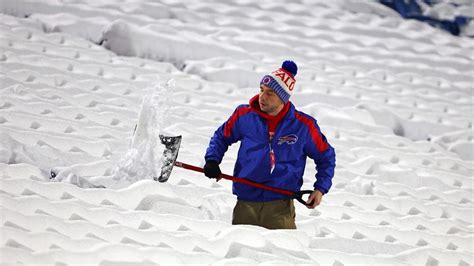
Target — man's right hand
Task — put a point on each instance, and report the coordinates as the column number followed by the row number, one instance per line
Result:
column 212, row 170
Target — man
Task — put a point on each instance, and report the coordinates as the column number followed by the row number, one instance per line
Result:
column 275, row 141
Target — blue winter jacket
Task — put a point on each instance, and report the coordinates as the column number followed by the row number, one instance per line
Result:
column 297, row 136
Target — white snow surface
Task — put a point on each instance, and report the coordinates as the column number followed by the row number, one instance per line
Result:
column 393, row 97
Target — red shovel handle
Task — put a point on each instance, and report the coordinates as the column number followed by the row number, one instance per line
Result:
column 296, row 195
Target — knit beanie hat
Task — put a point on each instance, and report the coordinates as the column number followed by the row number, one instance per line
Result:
column 282, row 81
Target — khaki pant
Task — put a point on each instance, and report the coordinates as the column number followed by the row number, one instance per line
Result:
column 277, row 214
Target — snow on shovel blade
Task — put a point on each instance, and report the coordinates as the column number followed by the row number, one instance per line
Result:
column 169, row 156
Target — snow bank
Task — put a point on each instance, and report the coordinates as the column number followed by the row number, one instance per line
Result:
column 162, row 43
column 460, row 142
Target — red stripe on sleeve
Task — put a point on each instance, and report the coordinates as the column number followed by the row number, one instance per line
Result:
column 313, row 130
column 233, row 119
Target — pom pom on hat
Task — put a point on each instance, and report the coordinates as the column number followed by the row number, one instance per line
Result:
column 282, row 81
column 290, row 66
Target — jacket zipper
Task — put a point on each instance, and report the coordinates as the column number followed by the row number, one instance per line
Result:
column 272, row 158
column 272, row 153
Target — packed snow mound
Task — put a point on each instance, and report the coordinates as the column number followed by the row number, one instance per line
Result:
column 144, row 158
column 393, row 97
column 153, row 41
column 459, row 142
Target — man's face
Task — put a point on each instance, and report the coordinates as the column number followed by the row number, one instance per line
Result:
column 269, row 101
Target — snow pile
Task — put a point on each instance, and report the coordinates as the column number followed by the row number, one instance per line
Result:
column 144, row 158
column 152, row 42
column 459, row 142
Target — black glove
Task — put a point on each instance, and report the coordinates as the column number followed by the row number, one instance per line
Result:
column 211, row 169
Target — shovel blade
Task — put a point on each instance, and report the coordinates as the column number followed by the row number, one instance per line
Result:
column 170, row 154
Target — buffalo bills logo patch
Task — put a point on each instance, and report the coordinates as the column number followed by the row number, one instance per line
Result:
column 266, row 80
column 289, row 139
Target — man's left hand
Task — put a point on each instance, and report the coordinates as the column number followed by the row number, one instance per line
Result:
column 315, row 199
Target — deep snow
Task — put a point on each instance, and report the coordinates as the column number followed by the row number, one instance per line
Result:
column 393, row 97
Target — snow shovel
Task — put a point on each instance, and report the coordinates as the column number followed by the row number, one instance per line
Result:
column 171, row 154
